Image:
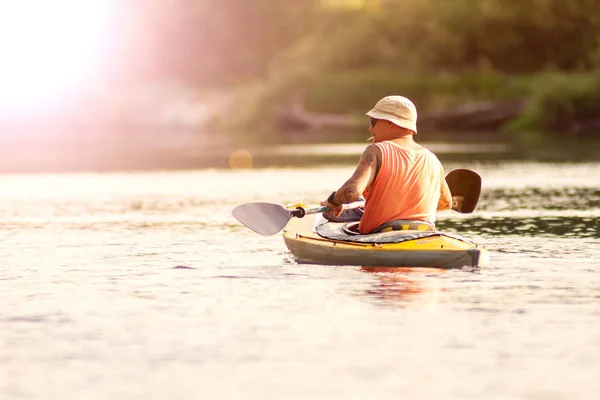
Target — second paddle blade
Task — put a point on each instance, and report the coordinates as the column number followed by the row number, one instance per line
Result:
column 466, row 186
column 264, row 218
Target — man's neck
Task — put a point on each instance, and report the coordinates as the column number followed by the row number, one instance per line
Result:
column 402, row 136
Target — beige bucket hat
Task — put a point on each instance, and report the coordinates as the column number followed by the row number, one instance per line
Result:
column 398, row 110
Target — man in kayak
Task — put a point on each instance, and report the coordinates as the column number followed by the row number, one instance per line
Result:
column 399, row 179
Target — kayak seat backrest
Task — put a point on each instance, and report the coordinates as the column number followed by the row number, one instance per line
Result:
column 398, row 225
column 348, row 232
column 405, row 225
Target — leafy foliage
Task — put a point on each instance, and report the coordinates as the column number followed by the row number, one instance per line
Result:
column 239, row 40
column 560, row 103
column 342, row 55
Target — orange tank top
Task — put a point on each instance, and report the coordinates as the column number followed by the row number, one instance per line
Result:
column 407, row 186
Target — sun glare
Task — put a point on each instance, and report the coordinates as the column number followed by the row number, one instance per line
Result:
column 48, row 49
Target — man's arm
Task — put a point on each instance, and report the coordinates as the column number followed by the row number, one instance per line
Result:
column 354, row 187
column 362, row 177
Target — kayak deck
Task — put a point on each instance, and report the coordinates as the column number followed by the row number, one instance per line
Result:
column 436, row 251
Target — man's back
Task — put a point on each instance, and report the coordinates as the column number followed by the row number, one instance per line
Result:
column 407, row 186
column 398, row 178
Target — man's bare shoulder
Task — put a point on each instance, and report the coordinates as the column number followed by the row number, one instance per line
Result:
column 371, row 153
column 367, row 165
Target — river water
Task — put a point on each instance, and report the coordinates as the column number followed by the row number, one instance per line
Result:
column 140, row 285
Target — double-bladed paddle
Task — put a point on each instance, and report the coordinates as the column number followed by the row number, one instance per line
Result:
column 268, row 218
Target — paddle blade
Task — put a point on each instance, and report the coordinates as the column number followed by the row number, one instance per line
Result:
column 264, row 218
column 465, row 186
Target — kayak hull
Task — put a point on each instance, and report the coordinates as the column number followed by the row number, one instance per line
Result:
column 437, row 251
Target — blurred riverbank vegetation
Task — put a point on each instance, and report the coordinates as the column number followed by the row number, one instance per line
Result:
column 339, row 56
column 183, row 83
column 246, row 66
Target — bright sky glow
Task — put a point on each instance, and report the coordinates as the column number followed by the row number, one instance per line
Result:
column 47, row 49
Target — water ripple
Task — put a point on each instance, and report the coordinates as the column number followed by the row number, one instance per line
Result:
column 545, row 226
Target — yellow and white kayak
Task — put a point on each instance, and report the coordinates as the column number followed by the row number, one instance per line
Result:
column 317, row 241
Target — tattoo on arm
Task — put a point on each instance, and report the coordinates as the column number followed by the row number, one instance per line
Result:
column 362, row 177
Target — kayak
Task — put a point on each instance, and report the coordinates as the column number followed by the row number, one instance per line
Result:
column 318, row 241
column 312, row 239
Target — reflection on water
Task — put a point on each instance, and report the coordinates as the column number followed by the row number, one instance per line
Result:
column 403, row 285
column 563, row 198
column 572, row 212
column 356, row 149
column 302, row 155
column 133, row 285
column 562, row 226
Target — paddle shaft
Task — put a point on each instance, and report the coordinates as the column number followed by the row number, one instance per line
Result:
column 301, row 212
